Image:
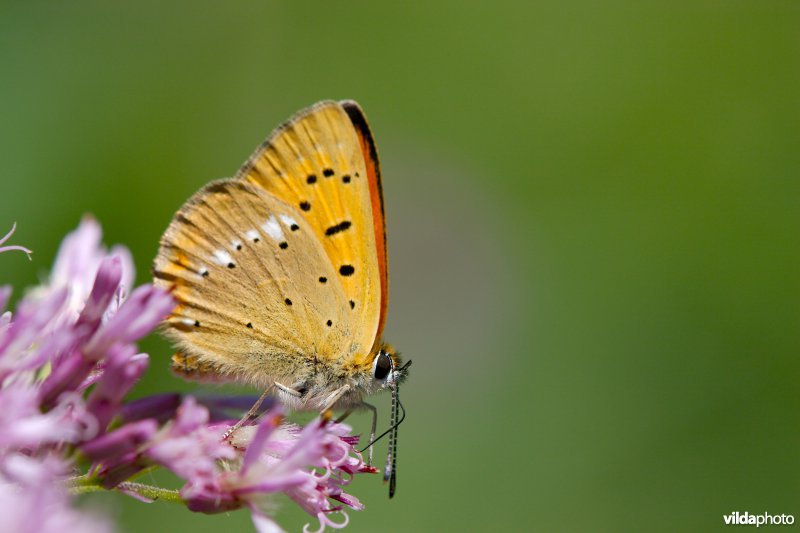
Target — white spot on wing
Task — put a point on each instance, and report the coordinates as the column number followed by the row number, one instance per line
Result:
column 251, row 234
column 273, row 229
column 287, row 220
column 223, row 257
column 236, row 244
column 203, row 271
column 187, row 321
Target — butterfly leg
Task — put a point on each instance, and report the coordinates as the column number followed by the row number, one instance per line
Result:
column 372, row 430
column 343, row 416
column 288, row 390
column 333, row 398
column 242, row 421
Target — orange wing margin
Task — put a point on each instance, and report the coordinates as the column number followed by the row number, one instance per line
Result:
column 370, row 153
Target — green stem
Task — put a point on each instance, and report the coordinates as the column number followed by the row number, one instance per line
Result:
column 151, row 492
column 85, row 484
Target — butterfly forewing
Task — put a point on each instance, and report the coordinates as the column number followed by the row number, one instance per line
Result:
column 323, row 164
column 258, row 297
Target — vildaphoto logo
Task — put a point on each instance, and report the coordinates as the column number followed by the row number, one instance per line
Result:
column 746, row 519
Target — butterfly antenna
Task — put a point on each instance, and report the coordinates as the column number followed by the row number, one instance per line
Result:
column 394, row 421
column 389, row 471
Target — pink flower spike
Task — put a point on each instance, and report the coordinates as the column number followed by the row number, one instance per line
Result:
column 30, row 319
column 78, row 257
column 190, row 416
column 351, row 440
column 264, row 430
column 123, row 370
column 8, row 248
column 128, row 270
column 66, row 376
column 349, row 500
column 139, row 315
column 41, row 351
column 120, row 441
column 105, row 286
column 76, row 266
column 27, row 428
column 188, row 447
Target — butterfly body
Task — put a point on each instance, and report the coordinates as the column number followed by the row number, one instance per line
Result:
column 280, row 272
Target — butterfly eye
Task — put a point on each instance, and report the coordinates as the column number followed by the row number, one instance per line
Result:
column 382, row 366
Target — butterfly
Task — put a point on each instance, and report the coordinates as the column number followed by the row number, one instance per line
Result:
column 280, row 273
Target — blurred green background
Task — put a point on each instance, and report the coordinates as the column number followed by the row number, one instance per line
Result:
column 593, row 215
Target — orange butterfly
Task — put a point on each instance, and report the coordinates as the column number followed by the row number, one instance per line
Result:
column 281, row 274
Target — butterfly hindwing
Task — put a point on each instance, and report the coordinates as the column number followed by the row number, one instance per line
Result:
column 257, row 296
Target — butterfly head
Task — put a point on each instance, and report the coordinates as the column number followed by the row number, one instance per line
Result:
column 387, row 368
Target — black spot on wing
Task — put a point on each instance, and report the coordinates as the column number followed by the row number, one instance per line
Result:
column 346, row 270
column 305, row 206
column 328, row 172
column 336, row 228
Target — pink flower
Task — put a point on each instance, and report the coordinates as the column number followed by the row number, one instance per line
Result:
column 45, row 369
column 77, row 264
column 68, row 358
column 32, row 502
column 189, row 446
column 310, row 465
